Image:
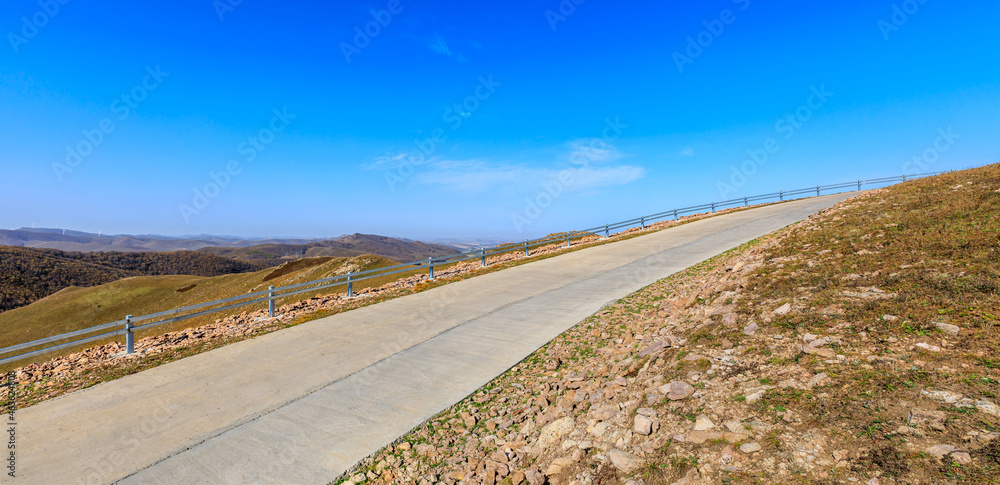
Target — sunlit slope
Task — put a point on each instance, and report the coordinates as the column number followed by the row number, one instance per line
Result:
column 75, row 308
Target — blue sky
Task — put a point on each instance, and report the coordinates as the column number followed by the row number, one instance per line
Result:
column 505, row 119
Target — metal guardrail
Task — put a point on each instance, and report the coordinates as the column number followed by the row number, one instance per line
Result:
column 128, row 326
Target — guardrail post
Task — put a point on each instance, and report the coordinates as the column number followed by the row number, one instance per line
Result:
column 607, row 233
column 904, row 177
column 430, row 264
column 744, row 202
column 567, row 240
column 482, row 255
column 129, row 336
column 675, row 214
column 817, row 191
column 859, row 185
column 270, row 301
column 642, row 223
column 781, row 195
column 526, row 248
column 350, row 285
column 713, row 206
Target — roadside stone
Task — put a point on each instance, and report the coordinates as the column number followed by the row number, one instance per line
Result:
column 553, row 432
column 735, row 426
column 928, row 347
column 534, row 477
column 820, row 379
column 982, row 405
column 700, row 437
column 750, row 447
column 624, row 461
column 677, row 390
column 750, row 329
column 962, row 458
column 940, row 451
column 754, row 396
column 783, row 309
column 702, row 423
column 643, row 425
column 947, row 328
column 947, row 397
column 825, row 353
column 655, row 348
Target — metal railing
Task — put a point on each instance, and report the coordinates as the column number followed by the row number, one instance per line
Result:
column 129, row 326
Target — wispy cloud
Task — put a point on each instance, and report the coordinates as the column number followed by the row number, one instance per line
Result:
column 478, row 176
column 594, row 150
column 588, row 167
column 385, row 162
column 687, row 152
column 440, row 46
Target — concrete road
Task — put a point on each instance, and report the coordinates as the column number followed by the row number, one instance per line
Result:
column 304, row 404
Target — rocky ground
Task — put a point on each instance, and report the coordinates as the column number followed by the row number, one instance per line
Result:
column 858, row 346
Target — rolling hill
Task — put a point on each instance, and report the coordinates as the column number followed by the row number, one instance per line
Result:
column 346, row 246
column 75, row 308
column 29, row 274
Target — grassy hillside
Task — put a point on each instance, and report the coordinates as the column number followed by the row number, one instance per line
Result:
column 75, row 308
column 348, row 246
column 28, row 274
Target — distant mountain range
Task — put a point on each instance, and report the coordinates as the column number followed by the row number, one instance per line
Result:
column 67, row 240
column 399, row 250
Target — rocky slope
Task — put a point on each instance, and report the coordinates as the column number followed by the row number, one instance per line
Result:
column 858, row 346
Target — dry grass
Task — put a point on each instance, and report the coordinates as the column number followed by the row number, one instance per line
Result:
column 933, row 245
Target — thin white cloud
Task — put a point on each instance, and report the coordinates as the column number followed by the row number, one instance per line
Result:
column 594, row 150
column 587, row 164
column 687, row 152
column 385, row 162
column 440, row 46
column 478, row 176
column 589, row 167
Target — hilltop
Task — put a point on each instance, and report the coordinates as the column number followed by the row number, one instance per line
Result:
column 857, row 346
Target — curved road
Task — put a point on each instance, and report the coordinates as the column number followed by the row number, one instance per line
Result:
column 304, row 404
